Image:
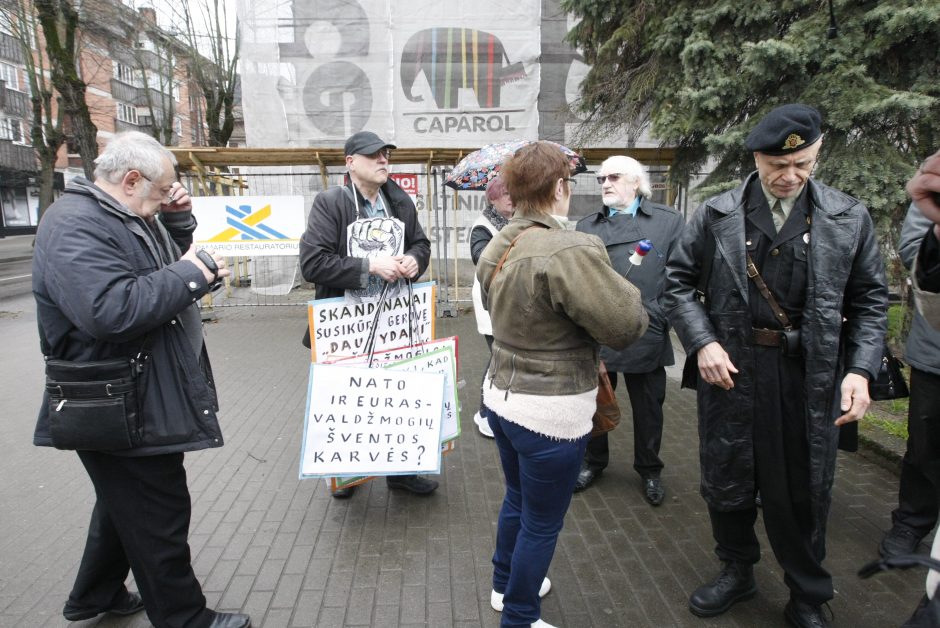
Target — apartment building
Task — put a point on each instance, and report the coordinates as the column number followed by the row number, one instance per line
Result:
column 137, row 79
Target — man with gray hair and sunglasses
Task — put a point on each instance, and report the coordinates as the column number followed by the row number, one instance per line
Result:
column 628, row 217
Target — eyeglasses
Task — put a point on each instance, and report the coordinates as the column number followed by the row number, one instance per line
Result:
column 613, row 177
column 383, row 152
column 167, row 195
column 571, row 182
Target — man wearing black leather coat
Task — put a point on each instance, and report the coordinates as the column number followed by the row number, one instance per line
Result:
column 775, row 382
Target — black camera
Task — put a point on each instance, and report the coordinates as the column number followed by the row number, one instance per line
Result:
column 207, row 259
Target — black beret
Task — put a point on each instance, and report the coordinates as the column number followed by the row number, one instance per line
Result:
column 365, row 143
column 786, row 129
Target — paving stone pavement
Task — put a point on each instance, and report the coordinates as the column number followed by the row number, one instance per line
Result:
column 282, row 550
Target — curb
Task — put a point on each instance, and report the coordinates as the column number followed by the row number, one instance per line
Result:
column 879, row 453
column 23, row 258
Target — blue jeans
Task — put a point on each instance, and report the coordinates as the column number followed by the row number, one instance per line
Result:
column 540, row 476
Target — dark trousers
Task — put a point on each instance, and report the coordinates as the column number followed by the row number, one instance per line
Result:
column 647, row 393
column 140, row 523
column 918, row 500
column 540, row 475
column 782, row 474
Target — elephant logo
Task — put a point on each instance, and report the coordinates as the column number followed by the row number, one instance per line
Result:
column 454, row 58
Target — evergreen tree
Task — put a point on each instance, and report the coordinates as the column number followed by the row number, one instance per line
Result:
column 702, row 72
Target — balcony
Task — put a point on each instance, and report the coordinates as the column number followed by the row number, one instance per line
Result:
column 17, row 157
column 120, row 126
column 14, row 103
column 10, row 49
column 124, row 92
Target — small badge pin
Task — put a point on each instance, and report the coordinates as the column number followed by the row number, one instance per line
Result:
column 806, row 237
column 793, row 140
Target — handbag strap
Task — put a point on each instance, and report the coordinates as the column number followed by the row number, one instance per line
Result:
column 505, row 255
column 754, row 275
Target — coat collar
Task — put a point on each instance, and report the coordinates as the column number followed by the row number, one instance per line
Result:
column 820, row 198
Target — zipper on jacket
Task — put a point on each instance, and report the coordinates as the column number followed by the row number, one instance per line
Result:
column 512, row 376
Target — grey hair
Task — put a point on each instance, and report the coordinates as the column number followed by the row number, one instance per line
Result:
column 632, row 168
column 132, row 150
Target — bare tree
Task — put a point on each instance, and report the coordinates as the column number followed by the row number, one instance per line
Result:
column 60, row 22
column 46, row 130
column 160, row 86
column 213, row 53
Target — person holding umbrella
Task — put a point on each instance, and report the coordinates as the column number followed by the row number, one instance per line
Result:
column 496, row 215
column 540, row 283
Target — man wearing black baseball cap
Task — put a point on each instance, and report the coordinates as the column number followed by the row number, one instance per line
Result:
column 324, row 247
column 792, row 322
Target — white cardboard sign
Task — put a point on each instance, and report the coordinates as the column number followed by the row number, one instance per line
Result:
column 339, row 328
column 362, row 421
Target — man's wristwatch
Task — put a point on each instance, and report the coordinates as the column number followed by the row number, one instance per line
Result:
column 207, row 259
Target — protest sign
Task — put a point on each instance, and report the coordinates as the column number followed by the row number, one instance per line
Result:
column 340, row 328
column 338, row 483
column 441, row 361
column 362, row 421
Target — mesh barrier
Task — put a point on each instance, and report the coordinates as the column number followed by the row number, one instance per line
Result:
column 446, row 216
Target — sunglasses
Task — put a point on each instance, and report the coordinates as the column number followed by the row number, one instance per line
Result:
column 384, row 152
column 613, row 177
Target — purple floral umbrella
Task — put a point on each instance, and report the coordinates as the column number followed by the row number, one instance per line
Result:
column 478, row 168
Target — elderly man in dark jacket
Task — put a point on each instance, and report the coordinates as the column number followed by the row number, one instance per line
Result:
column 628, row 217
column 772, row 371
column 325, row 258
column 110, row 282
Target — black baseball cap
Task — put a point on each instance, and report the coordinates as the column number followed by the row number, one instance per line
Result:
column 365, row 143
column 785, row 130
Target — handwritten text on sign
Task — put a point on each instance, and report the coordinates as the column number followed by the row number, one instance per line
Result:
column 339, row 328
column 436, row 362
column 363, row 421
column 439, row 361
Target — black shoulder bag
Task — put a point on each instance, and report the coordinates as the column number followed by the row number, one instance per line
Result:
column 94, row 406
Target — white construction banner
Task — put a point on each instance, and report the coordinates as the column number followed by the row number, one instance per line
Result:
column 339, row 328
column 249, row 225
column 367, row 422
column 420, row 73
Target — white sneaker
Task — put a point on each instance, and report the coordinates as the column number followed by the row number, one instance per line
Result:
column 541, row 624
column 496, row 599
column 483, row 425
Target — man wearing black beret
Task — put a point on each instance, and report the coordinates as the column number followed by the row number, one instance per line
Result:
column 789, row 332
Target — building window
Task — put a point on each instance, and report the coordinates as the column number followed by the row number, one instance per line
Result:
column 125, row 74
column 9, row 74
column 127, row 113
column 11, row 129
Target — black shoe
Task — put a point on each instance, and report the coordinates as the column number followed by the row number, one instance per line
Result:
column 803, row 615
column 586, row 477
column 130, row 604
column 899, row 541
column 230, row 620
column 734, row 584
column 414, row 483
column 344, row 493
column 653, row 491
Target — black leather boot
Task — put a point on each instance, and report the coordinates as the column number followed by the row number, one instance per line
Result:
column 734, row 584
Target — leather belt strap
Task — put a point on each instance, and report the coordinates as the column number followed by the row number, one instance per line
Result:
column 765, row 292
column 766, row 337
column 505, row 255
